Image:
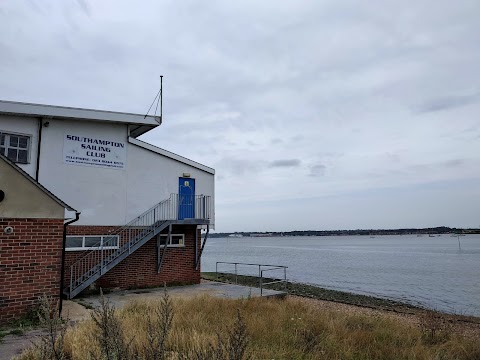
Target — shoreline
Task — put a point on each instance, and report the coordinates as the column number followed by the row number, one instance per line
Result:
column 318, row 293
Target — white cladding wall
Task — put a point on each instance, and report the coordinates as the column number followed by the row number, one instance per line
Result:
column 153, row 177
column 23, row 126
column 104, row 196
column 100, row 194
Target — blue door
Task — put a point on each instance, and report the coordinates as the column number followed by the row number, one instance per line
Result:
column 186, row 198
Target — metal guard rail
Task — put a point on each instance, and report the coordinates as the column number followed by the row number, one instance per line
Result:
column 260, row 273
column 121, row 240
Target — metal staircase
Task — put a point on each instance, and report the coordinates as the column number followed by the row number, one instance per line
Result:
column 107, row 253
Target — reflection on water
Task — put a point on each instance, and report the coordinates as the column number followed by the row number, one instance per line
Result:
column 427, row 271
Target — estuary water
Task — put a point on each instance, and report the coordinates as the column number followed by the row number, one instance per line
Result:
column 432, row 272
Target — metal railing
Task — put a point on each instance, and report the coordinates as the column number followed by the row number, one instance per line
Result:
column 191, row 206
column 103, row 254
column 261, row 269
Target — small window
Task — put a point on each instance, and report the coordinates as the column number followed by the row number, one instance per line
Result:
column 176, row 240
column 75, row 243
column 92, row 241
column 15, row 147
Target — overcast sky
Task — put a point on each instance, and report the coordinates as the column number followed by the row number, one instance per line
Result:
column 315, row 114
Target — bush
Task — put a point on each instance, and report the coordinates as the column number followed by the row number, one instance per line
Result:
column 436, row 329
column 51, row 345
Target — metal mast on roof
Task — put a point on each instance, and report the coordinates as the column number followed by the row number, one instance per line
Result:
column 159, row 98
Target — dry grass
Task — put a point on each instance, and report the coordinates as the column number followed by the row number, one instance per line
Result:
column 202, row 328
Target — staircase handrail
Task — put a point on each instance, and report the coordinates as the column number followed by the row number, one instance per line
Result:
column 99, row 257
column 97, row 246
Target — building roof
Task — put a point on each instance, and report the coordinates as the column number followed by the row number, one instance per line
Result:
column 36, row 183
column 171, row 155
column 144, row 123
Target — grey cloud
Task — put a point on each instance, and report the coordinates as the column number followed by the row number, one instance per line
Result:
column 238, row 166
column 435, row 166
column 285, row 163
column 448, row 102
column 454, row 163
column 297, row 138
column 317, row 170
column 84, row 6
column 393, row 157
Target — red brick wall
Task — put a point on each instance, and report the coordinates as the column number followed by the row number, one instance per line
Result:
column 90, row 230
column 30, row 264
column 139, row 270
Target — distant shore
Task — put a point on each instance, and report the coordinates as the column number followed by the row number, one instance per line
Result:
column 319, row 293
column 441, row 230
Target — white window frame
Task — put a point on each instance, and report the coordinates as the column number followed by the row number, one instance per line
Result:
column 169, row 244
column 83, row 247
column 7, row 146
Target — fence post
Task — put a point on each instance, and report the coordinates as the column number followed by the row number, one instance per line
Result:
column 260, row 274
column 236, row 277
column 261, row 283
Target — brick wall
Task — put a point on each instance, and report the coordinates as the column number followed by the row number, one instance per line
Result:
column 30, row 264
column 139, row 270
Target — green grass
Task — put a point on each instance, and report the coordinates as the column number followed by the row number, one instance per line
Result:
column 16, row 331
column 19, row 326
column 3, row 334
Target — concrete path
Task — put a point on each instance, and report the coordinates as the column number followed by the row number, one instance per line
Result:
column 12, row 345
column 229, row 291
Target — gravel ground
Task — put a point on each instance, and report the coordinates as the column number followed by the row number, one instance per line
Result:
column 458, row 326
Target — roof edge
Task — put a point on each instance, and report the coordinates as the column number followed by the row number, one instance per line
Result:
column 65, row 112
column 37, row 184
column 171, row 155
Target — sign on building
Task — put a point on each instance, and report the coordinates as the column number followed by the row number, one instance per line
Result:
column 93, row 151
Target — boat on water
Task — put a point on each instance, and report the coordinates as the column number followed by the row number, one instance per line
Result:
column 430, row 235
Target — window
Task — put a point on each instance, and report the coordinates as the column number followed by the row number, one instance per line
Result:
column 176, row 240
column 91, row 242
column 15, row 147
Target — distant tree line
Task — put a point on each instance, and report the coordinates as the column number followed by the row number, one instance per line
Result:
column 371, row 232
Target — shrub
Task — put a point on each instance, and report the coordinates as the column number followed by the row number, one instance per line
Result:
column 110, row 334
column 435, row 328
column 158, row 328
column 51, row 345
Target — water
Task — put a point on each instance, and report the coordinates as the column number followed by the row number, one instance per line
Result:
column 427, row 271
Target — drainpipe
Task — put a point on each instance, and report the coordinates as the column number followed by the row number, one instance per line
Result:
column 62, row 274
column 39, row 144
column 196, row 246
